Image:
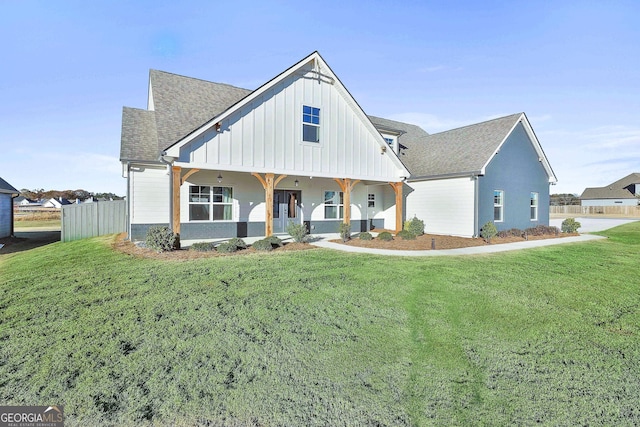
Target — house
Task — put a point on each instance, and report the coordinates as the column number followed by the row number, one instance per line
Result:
column 56, row 203
column 217, row 161
column 624, row 192
column 7, row 193
column 23, row 201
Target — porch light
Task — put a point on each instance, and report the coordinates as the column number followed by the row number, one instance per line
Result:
column 219, row 177
column 296, row 182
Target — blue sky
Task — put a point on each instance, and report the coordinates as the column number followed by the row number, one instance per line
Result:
column 68, row 68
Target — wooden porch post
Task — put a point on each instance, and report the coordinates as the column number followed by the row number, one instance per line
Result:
column 269, row 182
column 397, row 188
column 346, row 186
column 175, row 221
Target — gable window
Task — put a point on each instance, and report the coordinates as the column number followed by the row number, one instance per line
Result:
column 208, row 203
column 534, row 206
column 371, row 201
column 310, row 124
column 333, row 205
column 389, row 141
column 498, row 205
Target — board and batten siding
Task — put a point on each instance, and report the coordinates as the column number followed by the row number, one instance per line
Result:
column 446, row 206
column 6, row 215
column 149, row 193
column 266, row 135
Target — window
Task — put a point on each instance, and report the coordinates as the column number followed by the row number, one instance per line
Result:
column 310, row 124
column 389, row 141
column 371, row 201
column 333, row 205
column 208, row 203
column 534, row 206
column 498, row 205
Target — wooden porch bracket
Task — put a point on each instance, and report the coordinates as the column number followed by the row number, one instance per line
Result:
column 397, row 188
column 346, row 185
column 268, row 182
column 187, row 175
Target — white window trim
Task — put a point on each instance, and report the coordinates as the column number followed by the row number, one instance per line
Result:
column 536, row 206
column 324, row 204
column 303, row 124
column 210, row 203
column 501, row 206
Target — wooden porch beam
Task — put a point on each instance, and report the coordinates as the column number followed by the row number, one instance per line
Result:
column 346, row 185
column 268, row 183
column 176, row 171
column 397, row 188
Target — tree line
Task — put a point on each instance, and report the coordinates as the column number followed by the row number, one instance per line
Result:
column 71, row 195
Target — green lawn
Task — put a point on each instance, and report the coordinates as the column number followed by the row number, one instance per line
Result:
column 547, row 335
column 53, row 224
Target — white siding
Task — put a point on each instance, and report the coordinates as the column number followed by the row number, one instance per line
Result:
column 149, row 195
column 446, row 206
column 610, row 202
column 5, row 215
column 266, row 135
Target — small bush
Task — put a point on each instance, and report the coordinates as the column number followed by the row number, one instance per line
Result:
column 162, row 239
column 238, row 243
column 262, row 245
column 570, row 225
column 365, row 235
column 275, row 241
column 202, row 247
column 226, row 248
column 488, row 231
column 298, row 232
column 406, row 235
column 345, row 231
column 415, row 226
column 385, row 236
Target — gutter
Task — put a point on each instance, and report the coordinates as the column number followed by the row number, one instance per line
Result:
column 445, row 175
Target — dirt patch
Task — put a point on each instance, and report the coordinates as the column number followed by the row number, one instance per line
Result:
column 125, row 246
column 428, row 241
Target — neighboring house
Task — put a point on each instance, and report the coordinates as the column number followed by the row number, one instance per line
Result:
column 216, row 161
column 624, row 192
column 23, row 201
column 7, row 193
column 57, row 203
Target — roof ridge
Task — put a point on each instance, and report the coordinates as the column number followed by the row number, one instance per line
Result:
column 197, row 78
column 479, row 123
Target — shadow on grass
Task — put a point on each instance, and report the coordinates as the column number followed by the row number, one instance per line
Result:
column 26, row 240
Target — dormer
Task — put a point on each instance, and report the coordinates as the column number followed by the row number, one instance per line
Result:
column 391, row 137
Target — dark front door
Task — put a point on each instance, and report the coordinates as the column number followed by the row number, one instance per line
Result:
column 286, row 208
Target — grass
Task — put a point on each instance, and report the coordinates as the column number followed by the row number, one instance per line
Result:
column 41, row 223
column 547, row 335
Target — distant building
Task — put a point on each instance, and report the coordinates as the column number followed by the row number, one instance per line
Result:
column 624, row 192
column 56, row 203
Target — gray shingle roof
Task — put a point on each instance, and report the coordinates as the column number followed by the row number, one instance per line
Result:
column 411, row 137
column 616, row 190
column 7, row 188
column 459, row 151
column 180, row 105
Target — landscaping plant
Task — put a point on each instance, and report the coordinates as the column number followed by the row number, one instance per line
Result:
column 365, row 235
column 345, row 231
column 385, row 236
column 406, row 235
column 162, row 239
column 570, row 225
column 414, row 226
column 298, row 232
column 488, row 231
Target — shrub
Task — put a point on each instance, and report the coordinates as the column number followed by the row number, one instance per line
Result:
column 365, row 235
column 298, row 232
column 202, row 247
column 345, row 231
column 488, row 231
column 162, row 239
column 226, row 248
column 406, row 235
column 385, row 236
column 238, row 243
column 262, row 245
column 414, row 226
column 275, row 241
column 570, row 225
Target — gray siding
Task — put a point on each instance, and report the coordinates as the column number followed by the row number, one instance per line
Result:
column 517, row 171
column 6, row 215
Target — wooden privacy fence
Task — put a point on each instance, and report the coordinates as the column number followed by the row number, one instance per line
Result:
column 93, row 219
column 631, row 211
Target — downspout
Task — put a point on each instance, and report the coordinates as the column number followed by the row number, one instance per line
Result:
column 128, row 224
column 13, row 215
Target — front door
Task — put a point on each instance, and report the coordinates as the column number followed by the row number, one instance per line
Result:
column 286, row 208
